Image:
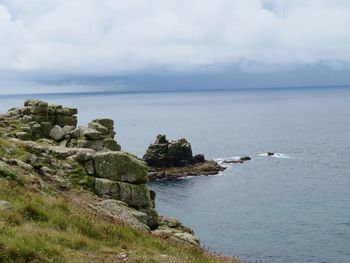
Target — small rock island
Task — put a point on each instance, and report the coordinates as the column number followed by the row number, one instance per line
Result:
column 173, row 159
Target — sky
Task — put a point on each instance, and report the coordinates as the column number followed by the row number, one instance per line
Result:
column 134, row 44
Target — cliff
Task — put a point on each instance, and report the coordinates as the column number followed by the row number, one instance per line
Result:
column 69, row 194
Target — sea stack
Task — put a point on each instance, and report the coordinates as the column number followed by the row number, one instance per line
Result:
column 174, row 158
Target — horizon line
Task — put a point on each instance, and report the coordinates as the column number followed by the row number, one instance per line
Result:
column 106, row 92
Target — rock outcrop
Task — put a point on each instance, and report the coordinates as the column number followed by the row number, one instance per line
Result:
column 171, row 159
column 67, row 156
column 40, row 120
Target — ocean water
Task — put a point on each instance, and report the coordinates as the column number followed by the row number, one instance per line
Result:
column 295, row 208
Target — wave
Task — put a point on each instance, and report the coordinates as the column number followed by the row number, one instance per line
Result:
column 221, row 161
column 276, row 155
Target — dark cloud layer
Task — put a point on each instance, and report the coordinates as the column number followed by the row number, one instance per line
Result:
column 43, row 40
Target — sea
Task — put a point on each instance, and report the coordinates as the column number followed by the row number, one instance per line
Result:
column 291, row 207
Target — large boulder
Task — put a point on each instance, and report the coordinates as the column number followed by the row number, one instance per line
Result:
column 57, row 133
column 105, row 123
column 37, row 106
column 98, row 127
column 163, row 153
column 90, row 134
column 152, row 217
column 120, row 166
column 137, row 196
column 121, row 211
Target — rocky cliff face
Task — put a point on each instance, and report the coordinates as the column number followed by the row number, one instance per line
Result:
column 89, row 157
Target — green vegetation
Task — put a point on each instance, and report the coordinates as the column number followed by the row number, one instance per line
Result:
column 7, row 173
column 79, row 178
column 8, row 151
column 46, row 228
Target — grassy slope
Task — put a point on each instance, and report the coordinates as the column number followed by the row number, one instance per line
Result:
column 44, row 227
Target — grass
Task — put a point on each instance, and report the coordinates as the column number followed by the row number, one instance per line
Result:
column 43, row 227
column 7, row 150
column 80, row 178
column 7, row 172
column 46, row 228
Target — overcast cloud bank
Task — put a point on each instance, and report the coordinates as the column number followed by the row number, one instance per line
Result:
column 114, row 37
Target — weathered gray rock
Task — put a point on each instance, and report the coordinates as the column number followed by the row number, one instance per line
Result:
column 30, row 146
column 24, row 165
column 23, row 136
column 27, row 118
column 111, row 144
column 179, row 153
column 163, row 153
column 46, row 128
column 120, row 166
column 63, row 120
column 90, row 134
column 116, row 207
column 83, row 155
column 89, row 167
column 38, row 106
column 96, row 145
column 98, row 127
column 64, row 152
column 177, row 235
column 171, row 222
column 67, row 129
column 57, row 133
column 156, row 155
column 152, row 217
column 36, row 131
column 121, row 212
column 75, row 133
column 137, row 196
column 108, row 123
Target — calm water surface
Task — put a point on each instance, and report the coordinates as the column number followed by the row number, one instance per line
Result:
column 293, row 209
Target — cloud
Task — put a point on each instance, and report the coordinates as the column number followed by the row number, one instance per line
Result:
column 111, row 37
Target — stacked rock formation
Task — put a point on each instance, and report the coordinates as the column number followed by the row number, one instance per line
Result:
column 39, row 120
column 164, row 153
column 171, row 159
column 99, row 136
column 122, row 176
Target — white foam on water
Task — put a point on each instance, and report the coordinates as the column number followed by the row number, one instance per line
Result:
column 276, row 155
column 222, row 162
